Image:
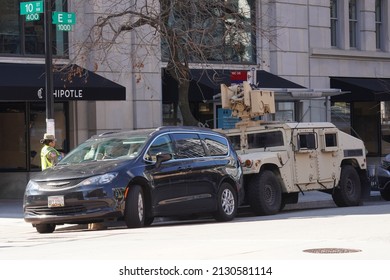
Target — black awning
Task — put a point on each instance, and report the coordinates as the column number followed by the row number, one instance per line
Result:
column 361, row 89
column 206, row 83
column 268, row 80
column 26, row 82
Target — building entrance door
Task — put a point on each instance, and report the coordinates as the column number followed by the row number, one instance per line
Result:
column 366, row 125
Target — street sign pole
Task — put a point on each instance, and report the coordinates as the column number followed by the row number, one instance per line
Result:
column 50, row 126
column 64, row 22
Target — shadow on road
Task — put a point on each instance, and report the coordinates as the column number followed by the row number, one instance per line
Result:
column 316, row 209
column 302, row 210
column 11, row 208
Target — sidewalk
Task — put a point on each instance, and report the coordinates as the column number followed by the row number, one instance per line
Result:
column 11, row 208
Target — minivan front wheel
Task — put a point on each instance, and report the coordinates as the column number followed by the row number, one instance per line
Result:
column 227, row 203
column 134, row 208
column 45, row 228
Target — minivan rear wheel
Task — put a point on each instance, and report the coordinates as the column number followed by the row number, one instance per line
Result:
column 227, row 203
column 134, row 209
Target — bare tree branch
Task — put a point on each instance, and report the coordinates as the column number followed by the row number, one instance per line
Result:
column 190, row 31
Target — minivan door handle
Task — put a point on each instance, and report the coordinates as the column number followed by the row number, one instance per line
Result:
column 184, row 168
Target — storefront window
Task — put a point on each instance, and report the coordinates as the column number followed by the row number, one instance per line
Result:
column 170, row 114
column 37, row 127
column 285, row 112
column 13, row 148
column 365, row 123
column 341, row 116
column 26, row 38
column 385, row 127
column 20, row 148
column 227, row 39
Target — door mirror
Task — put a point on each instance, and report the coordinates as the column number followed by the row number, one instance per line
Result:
column 160, row 157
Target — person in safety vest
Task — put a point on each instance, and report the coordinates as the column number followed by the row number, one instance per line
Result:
column 49, row 155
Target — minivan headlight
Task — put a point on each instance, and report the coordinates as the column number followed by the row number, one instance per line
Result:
column 32, row 186
column 99, row 180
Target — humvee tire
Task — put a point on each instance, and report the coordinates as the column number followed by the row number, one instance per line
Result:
column 348, row 192
column 265, row 193
column 385, row 193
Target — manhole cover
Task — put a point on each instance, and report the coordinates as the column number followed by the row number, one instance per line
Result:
column 331, row 251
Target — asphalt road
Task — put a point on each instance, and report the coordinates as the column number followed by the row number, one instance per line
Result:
column 345, row 243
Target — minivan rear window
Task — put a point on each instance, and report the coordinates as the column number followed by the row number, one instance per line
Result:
column 217, row 146
column 188, row 145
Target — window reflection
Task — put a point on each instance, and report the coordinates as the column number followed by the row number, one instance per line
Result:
column 341, row 116
column 222, row 39
column 353, row 23
column 385, row 127
column 21, row 37
column 378, row 23
column 333, row 23
column 9, row 27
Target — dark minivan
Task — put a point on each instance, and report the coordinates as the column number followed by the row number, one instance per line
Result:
column 136, row 176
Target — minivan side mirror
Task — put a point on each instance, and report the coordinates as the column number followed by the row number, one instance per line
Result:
column 160, row 157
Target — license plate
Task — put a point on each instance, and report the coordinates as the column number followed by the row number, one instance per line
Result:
column 56, row 201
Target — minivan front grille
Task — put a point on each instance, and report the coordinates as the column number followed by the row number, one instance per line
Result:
column 57, row 185
column 55, row 211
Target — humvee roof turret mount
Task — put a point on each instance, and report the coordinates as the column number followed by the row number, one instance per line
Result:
column 281, row 160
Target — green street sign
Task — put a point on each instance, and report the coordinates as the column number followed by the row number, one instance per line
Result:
column 64, row 18
column 64, row 27
column 32, row 17
column 34, row 7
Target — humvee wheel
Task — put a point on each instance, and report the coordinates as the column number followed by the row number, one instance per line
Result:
column 265, row 193
column 385, row 193
column 348, row 192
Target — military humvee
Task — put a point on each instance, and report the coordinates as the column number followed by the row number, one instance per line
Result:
column 281, row 160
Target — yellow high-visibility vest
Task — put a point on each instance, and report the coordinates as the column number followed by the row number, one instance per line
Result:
column 47, row 162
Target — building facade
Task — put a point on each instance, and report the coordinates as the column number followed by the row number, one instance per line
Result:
column 315, row 44
column 340, row 44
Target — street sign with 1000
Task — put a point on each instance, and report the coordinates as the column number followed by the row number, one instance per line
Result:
column 64, row 21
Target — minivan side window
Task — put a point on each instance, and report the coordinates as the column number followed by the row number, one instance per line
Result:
column 217, row 146
column 188, row 145
column 162, row 144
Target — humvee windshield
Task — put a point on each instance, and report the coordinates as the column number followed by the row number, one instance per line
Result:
column 259, row 140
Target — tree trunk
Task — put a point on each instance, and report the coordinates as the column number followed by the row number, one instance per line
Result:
column 184, row 104
column 180, row 72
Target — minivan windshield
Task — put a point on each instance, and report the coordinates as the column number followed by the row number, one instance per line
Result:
column 106, row 148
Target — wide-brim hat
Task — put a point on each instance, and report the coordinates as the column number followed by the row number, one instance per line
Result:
column 47, row 136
